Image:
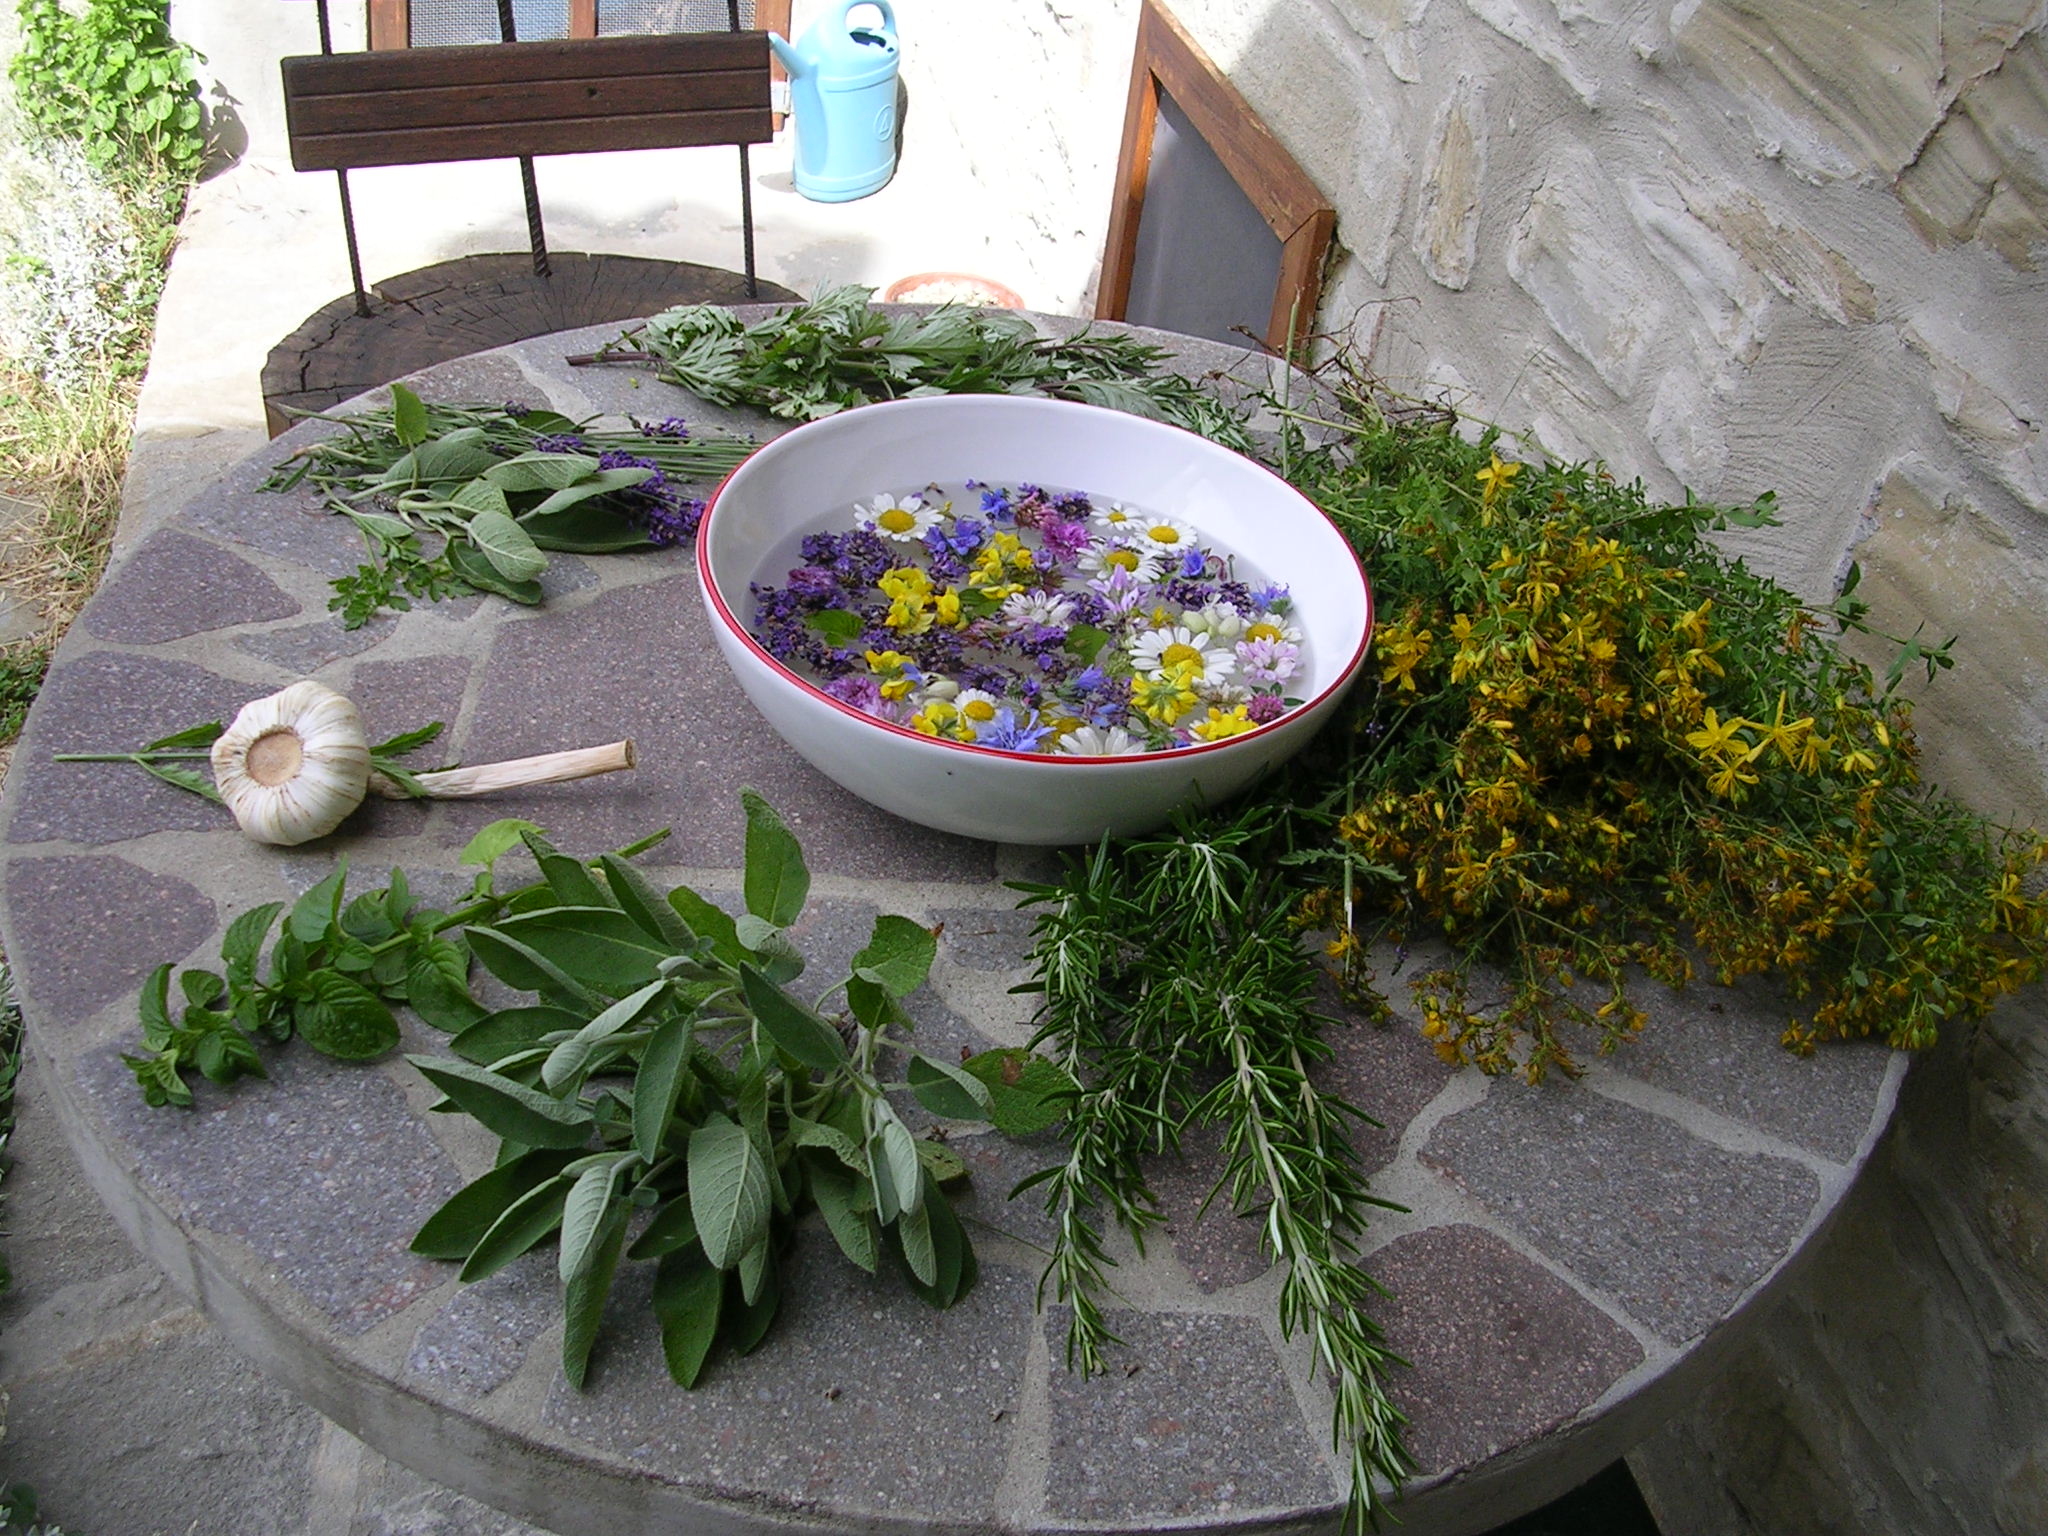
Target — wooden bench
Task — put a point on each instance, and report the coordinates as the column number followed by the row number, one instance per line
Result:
column 423, row 106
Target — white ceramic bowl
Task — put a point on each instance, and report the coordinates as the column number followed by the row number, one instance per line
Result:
column 808, row 480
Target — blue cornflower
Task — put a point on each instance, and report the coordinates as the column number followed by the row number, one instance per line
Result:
column 1193, row 563
column 1011, row 734
column 996, row 503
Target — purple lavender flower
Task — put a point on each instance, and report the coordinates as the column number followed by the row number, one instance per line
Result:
column 516, row 407
column 560, row 442
column 813, row 584
column 672, row 427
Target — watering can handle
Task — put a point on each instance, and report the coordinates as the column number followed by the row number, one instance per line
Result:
column 850, row 6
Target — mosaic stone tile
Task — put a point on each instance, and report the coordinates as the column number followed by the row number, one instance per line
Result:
column 174, row 585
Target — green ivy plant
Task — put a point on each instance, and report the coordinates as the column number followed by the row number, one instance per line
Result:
column 113, row 78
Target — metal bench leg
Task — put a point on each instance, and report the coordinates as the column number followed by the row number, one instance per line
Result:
column 348, row 231
column 747, row 219
column 535, row 235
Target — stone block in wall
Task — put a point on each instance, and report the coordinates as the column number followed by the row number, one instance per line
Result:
column 1802, row 268
column 1839, row 88
column 1933, row 563
column 1453, row 179
column 1983, row 174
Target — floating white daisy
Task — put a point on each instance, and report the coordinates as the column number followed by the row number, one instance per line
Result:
column 1176, row 645
column 976, row 707
column 1099, row 741
column 902, row 518
column 1117, row 519
column 1169, row 536
column 1271, row 628
column 1101, row 559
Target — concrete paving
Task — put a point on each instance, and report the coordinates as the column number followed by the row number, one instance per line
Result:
column 127, row 1413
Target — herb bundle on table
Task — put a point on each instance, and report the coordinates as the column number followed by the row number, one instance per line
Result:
column 838, row 351
column 498, row 486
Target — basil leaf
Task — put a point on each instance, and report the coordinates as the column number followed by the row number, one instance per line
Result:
column 408, row 417
column 1027, row 1093
column 244, row 940
column 315, row 912
column 344, row 1019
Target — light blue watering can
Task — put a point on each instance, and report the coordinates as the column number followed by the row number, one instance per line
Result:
column 842, row 91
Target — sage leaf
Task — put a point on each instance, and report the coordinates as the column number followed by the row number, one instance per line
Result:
column 454, row 1230
column 728, row 1190
column 479, row 496
column 506, row 1108
column 509, row 1030
column 673, row 1229
column 893, row 1166
column 898, row 955
column 474, row 566
column 687, row 1294
column 584, row 1297
column 572, row 884
column 526, row 1222
column 793, row 1027
column 776, row 881
column 539, row 471
column 947, row 1091
column 344, row 1019
column 583, row 1213
column 777, row 958
column 914, row 1234
column 829, row 1138
column 1027, row 1092
column 599, row 947
column 454, row 456
column 660, row 1083
column 569, row 1060
column 745, row 1330
column 518, row 964
column 709, row 922
column 753, row 1269
column 605, row 480
column 955, row 1267
column 837, row 1194
column 636, row 896
column 590, row 527
column 315, row 912
column 506, row 545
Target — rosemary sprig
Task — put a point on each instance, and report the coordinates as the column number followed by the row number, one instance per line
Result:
column 1162, row 966
column 839, row 351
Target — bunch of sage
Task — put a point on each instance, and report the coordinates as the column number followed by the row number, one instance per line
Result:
column 498, row 487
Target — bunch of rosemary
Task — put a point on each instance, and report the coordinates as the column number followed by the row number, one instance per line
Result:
column 1175, row 990
column 839, row 351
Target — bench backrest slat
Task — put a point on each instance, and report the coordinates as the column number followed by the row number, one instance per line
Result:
column 496, row 100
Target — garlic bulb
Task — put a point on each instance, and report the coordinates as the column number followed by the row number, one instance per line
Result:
column 293, row 765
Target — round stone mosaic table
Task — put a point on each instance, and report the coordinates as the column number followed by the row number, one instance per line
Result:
column 1575, row 1259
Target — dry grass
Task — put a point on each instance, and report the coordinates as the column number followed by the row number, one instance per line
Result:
column 64, row 452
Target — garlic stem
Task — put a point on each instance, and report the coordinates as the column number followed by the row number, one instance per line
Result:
column 519, row 773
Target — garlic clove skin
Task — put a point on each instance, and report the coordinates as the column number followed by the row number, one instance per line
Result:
column 293, row 765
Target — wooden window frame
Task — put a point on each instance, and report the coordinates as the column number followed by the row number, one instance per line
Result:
column 1168, row 60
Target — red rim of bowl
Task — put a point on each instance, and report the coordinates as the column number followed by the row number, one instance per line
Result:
column 740, row 632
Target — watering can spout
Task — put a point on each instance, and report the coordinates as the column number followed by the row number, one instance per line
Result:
column 797, row 65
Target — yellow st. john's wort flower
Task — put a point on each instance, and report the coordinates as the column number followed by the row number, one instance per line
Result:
column 1493, row 480
column 1401, row 649
column 1221, row 725
column 1166, row 695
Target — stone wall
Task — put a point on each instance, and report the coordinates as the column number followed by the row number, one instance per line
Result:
column 1737, row 246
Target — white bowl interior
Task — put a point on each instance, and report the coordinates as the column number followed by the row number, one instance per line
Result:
column 808, row 481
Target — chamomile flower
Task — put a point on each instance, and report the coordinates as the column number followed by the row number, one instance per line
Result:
column 902, row 518
column 1100, row 741
column 1143, row 564
column 1167, row 535
column 1175, row 646
column 1271, row 628
column 975, row 707
column 1116, row 519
